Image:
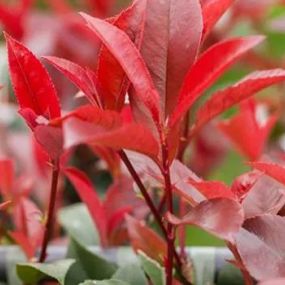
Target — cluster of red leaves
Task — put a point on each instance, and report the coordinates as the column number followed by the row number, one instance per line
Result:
column 147, row 80
column 27, row 218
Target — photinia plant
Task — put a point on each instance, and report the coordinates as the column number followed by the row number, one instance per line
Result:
column 31, row 83
column 153, row 68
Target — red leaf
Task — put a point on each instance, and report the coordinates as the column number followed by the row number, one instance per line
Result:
column 117, row 233
column 51, row 140
column 212, row 12
column 221, row 217
column 94, row 115
column 261, row 246
column 111, row 158
column 106, row 128
column 113, row 80
column 209, row 150
column 41, row 159
column 88, row 195
column 266, row 196
column 145, row 239
column 121, row 199
column 12, row 17
column 180, row 174
column 244, row 183
column 122, row 48
column 30, row 117
column 103, row 6
column 224, row 99
column 211, row 64
column 4, row 205
column 271, row 169
column 83, row 78
column 24, row 242
column 120, row 195
column 6, row 178
column 248, row 132
column 213, row 189
column 170, row 45
column 29, row 226
column 31, row 82
column 278, row 281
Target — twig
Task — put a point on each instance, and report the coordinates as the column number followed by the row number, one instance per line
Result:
column 169, row 202
column 51, row 208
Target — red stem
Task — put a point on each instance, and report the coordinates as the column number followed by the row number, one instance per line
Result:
column 182, row 204
column 182, row 229
column 169, row 202
column 149, row 201
column 161, row 205
column 51, row 209
column 246, row 276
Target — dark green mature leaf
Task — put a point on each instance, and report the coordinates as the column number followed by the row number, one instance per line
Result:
column 229, row 274
column 152, row 268
column 132, row 274
column 88, row 265
column 31, row 273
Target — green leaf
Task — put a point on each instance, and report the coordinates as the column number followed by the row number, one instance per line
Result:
column 125, row 255
column 204, row 261
column 31, row 273
column 132, row 274
column 77, row 223
column 152, row 269
column 229, row 274
column 88, row 265
column 104, row 282
column 14, row 255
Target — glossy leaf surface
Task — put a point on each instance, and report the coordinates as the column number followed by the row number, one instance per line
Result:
column 224, row 99
column 273, row 170
column 170, row 50
column 210, row 65
column 144, row 239
column 32, row 85
column 221, row 217
column 122, row 48
column 105, row 128
column 248, row 132
column 114, row 83
column 212, row 12
column 83, row 78
column 266, row 196
column 260, row 246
